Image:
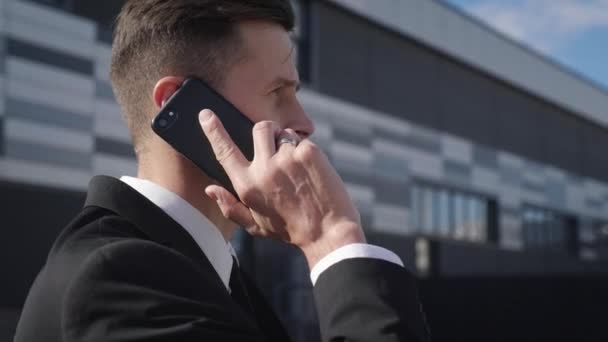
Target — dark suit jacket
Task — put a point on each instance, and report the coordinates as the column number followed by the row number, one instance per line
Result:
column 123, row 270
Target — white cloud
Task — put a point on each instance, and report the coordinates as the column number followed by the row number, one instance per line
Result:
column 547, row 25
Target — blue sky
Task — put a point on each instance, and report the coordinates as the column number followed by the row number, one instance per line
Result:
column 572, row 32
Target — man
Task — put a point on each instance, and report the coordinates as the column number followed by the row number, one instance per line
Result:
column 147, row 259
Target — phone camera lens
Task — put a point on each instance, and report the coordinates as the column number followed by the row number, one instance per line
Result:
column 166, row 119
column 162, row 123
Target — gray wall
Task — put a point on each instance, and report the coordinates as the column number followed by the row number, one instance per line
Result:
column 436, row 121
column 61, row 122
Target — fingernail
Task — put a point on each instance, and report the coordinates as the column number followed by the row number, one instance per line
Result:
column 204, row 115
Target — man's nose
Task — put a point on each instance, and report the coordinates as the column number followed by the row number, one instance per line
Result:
column 301, row 123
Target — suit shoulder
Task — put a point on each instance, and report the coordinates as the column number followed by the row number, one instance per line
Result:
column 93, row 227
column 125, row 285
column 137, row 261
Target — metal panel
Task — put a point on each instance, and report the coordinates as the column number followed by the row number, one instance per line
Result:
column 113, row 147
column 466, row 102
column 47, row 154
column 104, row 90
column 47, row 95
column 408, row 81
column 403, row 78
column 457, row 35
column 104, row 34
column 457, row 173
column 456, row 149
column 343, row 62
column 101, row 12
column 56, row 58
column 518, row 125
column 44, row 26
column 47, row 135
column 596, row 157
column 484, row 156
column 392, row 192
column 562, row 139
column 16, row 108
column 102, row 60
column 114, row 130
column 352, row 133
column 32, row 172
column 112, row 165
column 1, row 136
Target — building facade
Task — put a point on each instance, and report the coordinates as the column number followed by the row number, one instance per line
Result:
column 468, row 154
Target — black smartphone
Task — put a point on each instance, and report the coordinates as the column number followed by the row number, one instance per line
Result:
column 177, row 123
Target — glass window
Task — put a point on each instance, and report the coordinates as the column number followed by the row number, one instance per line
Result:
column 427, row 211
column 459, row 216
column 546, row 229
column 471, row 228
column 594, row 239
column 415, row 208
column 449, row 213
column 444, row 213
column 478, row 226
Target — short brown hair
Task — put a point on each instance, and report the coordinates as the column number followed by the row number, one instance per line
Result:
column 155, row 38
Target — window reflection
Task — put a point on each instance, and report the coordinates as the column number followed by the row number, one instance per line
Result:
column 545, row 229
column 459, row 216
column 444, row 213
column 449, row 213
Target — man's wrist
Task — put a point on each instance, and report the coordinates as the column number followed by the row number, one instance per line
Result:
column 336, row 237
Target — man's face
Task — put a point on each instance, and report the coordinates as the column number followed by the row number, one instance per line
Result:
column 264, row 82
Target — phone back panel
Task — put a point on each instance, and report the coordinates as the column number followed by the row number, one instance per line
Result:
column 183, row 131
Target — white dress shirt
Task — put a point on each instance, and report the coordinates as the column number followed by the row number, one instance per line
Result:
column 220, row 252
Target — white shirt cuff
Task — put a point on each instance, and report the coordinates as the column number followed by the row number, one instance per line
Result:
column 355, row 250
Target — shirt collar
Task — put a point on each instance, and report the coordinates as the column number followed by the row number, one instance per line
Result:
column 205, row 234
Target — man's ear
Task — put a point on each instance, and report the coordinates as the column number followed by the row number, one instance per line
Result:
column 164, row 89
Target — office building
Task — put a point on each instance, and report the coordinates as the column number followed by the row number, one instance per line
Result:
column 470, row 155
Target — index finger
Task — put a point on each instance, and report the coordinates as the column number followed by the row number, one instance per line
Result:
column 226, row 152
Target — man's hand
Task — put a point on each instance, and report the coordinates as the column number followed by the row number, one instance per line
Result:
column 290, row 192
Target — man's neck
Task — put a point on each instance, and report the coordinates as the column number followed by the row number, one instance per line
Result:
column 188, row 182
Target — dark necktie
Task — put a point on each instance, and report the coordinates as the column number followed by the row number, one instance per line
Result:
column 237, row 288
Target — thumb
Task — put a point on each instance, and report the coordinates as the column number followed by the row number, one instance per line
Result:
column 231, row 207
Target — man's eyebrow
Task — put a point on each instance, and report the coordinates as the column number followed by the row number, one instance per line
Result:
column 286, row 82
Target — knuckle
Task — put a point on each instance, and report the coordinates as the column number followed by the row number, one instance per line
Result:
column 307, row 152
column 291, row 168
column 227, row 211
column 248, row 194
column 278, row 160
column 231, row 213
column 284, row 163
